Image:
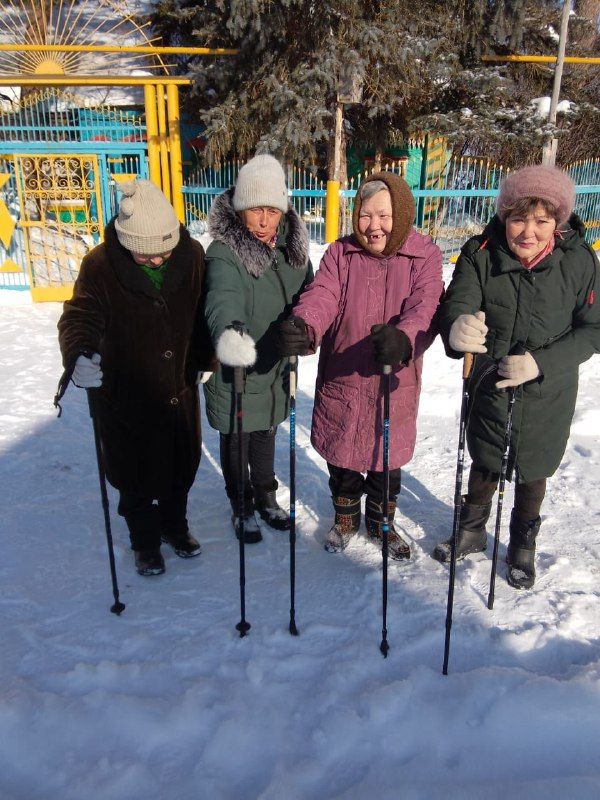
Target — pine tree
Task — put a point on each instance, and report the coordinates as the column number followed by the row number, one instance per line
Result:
column 279, row 93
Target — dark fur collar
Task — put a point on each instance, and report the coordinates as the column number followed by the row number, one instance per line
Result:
column 130, row 274
column 225, row 226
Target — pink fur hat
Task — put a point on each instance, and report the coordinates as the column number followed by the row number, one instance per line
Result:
column 543, row 183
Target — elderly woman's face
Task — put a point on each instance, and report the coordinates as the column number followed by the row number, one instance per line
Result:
column 375, row 220
column 528, row 234
column 262, row 222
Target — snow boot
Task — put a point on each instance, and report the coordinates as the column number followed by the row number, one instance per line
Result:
column 252, row 534
column 472, row 537
column 149, row 562
column 346, row 523
column 183, row 543
column 520, row 555
column 265, row 502
column 398, row 549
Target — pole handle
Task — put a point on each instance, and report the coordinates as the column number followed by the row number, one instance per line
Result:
column 468, row 362
column 238, row 379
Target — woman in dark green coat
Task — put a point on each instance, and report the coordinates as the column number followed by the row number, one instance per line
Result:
column 256, row 267
column 529, row 281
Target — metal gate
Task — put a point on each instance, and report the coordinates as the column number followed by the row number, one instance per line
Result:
column 60, row 216
column 61, row 162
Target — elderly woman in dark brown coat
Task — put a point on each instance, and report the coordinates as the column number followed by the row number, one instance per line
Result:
column 133, row 331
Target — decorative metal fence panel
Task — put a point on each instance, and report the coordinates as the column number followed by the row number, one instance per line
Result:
column 61, row 160
column 60, row 216
column 13, row 262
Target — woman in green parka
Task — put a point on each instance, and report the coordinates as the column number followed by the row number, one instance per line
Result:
column 528, row 282
column 256, row 267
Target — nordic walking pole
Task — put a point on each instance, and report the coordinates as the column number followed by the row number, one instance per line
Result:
column 385, row 527
column 518, row 350
column 460, row 461
column 293, row 381
column 117, row 606
column 238, row 383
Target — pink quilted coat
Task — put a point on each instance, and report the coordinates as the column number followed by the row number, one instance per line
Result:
column 352, row 291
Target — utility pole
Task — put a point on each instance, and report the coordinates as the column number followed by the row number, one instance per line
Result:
column 549, row 151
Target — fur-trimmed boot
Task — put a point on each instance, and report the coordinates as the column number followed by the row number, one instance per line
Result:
column 472, row 537
column 398, row 548
column 346, row 523
column 520, row 555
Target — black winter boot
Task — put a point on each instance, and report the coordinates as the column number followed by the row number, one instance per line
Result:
column 252, row 534
column 183, row 543
column 269, row 509
column 149, row 562
column 346, row 523
column 472, row 537
column 520, row 555
column 398, row 549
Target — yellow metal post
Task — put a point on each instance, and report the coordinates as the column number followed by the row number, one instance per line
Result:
column 175, row 152
column 332, row 211
column 152, row 134
column 163, row 141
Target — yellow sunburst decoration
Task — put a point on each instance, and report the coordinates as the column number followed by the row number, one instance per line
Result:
column 72, row 22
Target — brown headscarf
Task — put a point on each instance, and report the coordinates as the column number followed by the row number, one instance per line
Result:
column 403, row 212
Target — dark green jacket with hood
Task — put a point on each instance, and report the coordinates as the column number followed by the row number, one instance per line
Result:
column 554, row 311
column 251, row 282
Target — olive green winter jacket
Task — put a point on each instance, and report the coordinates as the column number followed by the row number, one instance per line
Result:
column 257, row 285
column 554, row 311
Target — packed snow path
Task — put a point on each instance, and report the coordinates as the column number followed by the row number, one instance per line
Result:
column 167, row 701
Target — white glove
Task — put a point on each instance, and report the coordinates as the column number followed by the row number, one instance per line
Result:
column 467, row 334
column 87, row 373
column 517, row 370
column 203, row 377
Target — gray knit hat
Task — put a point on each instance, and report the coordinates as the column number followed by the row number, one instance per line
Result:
column 147, row 223
column 261, row 182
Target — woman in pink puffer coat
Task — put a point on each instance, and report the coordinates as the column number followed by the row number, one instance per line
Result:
column 371, row 303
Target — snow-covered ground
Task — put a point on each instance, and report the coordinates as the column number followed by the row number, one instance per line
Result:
column 167, row 701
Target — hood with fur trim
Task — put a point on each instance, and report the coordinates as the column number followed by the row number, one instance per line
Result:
column 225, row 225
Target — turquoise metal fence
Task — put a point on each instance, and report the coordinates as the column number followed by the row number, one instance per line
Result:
column 307, row 194
column 456, row 202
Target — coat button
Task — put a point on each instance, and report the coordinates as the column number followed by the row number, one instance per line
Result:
column 168, row 354
column 174, row 401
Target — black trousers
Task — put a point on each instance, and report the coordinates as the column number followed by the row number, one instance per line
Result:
column 528, row 496
column 258, row 458
column 147, row 521
column 348, row 483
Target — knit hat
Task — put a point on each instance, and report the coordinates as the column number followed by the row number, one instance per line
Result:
column 403, row 212
column 261, row 182
column 147, row 223
column 542, row 183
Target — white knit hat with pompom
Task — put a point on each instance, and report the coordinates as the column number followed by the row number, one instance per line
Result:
column 146, row 223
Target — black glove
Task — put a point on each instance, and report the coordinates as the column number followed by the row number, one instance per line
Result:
column 292, row 338
column 391, row 345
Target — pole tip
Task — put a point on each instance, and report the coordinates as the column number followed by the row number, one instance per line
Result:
column 243, row 627
column 384, row 647
column 293, row 629
column 117, row 608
